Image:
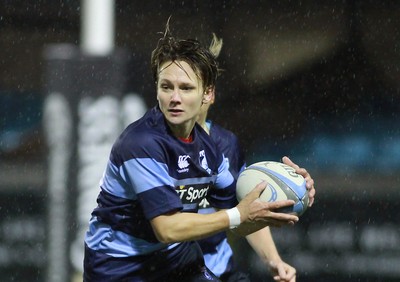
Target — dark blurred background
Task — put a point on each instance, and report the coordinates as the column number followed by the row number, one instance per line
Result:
column 315, row 80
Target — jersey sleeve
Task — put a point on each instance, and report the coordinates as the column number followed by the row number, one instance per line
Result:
column 146, row 174
column 223, row 194
column 153, row 187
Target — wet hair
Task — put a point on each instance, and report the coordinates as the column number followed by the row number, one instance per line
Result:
column 201, row 59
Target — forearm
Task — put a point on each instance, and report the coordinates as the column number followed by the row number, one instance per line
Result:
column 263, row 244
column 249, row 216
column 180, row 227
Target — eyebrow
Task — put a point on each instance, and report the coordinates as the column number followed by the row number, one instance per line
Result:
column 180, row 84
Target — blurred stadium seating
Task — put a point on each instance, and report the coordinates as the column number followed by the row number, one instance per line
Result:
column 20, row 122
column 372, row 146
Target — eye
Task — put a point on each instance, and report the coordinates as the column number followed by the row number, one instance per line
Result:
column 164, row 86
column 187, row 88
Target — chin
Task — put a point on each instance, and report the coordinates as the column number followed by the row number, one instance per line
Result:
column 175, row 120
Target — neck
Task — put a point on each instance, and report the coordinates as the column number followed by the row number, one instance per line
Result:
column 181, row 131
column 205, row 126
column 202, row 121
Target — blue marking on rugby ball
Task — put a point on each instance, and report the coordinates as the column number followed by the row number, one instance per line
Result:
column 274, row 194
column 299, row 190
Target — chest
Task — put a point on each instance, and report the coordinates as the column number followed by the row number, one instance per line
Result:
column 194, row 170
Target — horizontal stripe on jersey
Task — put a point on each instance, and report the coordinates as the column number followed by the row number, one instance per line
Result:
column 117, row 243
column 182, row 262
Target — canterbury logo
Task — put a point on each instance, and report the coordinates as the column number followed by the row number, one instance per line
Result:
column 183, row 163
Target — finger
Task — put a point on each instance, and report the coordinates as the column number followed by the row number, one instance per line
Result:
column 259, row 188
column 277, row 218
column 311, row 192
column 311, row 196
column 290, row 273
column 309, row 182
column 279, row 204
column 299, row 170
column 285, row 217
column 256, row 192
column 289, row 162
column 281, row 271
column 303, row 172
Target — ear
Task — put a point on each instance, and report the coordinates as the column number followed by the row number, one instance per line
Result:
column 209, row 95
column 156, row 83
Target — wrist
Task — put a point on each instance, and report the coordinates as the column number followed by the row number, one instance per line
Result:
column 234, row 217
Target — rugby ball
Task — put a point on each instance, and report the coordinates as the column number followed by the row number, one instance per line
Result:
column 283, row 184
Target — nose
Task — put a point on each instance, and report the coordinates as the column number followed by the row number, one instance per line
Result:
column 175, row 97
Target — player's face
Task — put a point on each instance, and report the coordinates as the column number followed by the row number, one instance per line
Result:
column 180, row 95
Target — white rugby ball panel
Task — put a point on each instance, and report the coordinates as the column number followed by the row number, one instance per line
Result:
column 295, row 181
column 283, row 183
column 281, row 169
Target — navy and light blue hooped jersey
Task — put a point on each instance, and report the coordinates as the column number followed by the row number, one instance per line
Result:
column 218, row 254
column 151, row 173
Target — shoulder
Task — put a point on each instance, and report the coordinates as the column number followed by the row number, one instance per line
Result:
column 225, row 139
column 149, row 127
column 217, row 131
column 144, row 138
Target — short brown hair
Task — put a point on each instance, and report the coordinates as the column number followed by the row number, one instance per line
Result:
column 202, row 60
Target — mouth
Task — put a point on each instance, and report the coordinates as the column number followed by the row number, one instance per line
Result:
column 175, row 111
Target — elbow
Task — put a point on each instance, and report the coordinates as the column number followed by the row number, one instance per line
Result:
column 165, row 240
column 167, row 230
column 165, row 237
